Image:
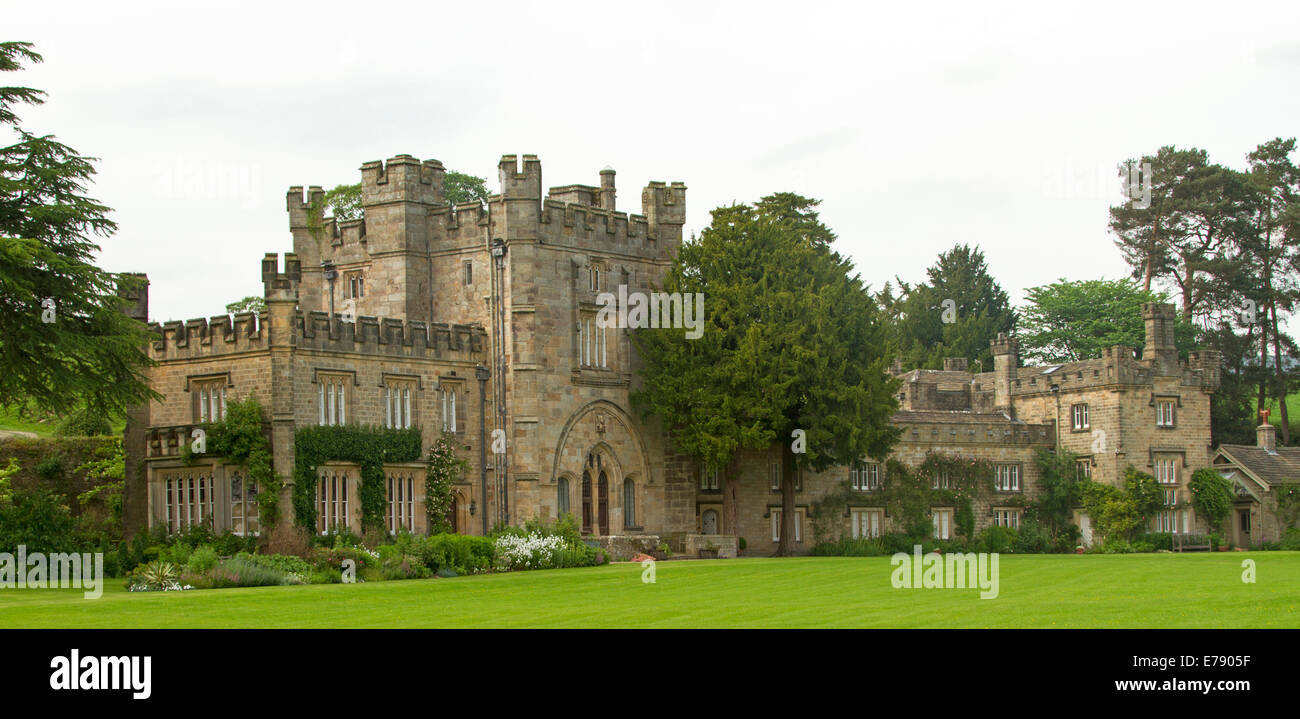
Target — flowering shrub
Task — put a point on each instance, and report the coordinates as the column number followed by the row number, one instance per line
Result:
column 532, row 551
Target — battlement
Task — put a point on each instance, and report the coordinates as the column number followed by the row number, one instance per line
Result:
column 664, row 204
column 304, row 209
column 390, row 337
column 403, row 179
column 968, row 428
column 275, row 281
column 568, row 223
column 516, row 184
column 205, row 337
column 1004, row 344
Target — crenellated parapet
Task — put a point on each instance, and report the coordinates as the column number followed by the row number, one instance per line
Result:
column 403, row 178
column 967, row 429
column 389, row 337
column 206, row 337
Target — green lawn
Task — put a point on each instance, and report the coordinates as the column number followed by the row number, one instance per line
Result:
column 9, row 419
column 1151, row 590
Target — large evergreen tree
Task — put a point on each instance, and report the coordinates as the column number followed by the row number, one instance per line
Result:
column 955, row 313
column 1272, row 256
column 64, row 340
column 792, row 341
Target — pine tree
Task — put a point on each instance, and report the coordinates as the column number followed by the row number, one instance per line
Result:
column 956, row 313
column 64, row 341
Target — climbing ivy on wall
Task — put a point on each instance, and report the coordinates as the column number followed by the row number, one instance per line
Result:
column 1288, row 504
column 240, row 439
column 908, row 493
column 369, row 447
column 444, row 469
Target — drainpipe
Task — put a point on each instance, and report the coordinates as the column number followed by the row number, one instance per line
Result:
column 331, row 274
column 1056, row 390
column 498, row 249
column 482, row 373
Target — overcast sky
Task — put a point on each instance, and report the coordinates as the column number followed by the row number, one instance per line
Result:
column 919, row 127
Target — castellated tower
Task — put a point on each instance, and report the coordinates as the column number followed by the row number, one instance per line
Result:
column 384, row 258
column 562, row 397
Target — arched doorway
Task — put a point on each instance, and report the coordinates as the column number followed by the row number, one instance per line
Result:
column 453, row 515
column 709, row 522
column 586, row 502
column 602, row 487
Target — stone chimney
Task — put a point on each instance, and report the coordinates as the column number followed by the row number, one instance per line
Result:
column 607, row 188
column 1004, row 350
column 1266, row 438
column 954, row 364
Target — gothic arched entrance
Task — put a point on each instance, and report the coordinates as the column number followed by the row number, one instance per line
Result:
column 453, row 515
column 586, row 502
column 602, row 488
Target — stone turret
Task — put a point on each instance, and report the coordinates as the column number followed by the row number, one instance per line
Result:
column 1005, row 349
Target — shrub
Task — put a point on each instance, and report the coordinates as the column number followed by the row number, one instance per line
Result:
column 538, row 551
column 1157, row 540
column 202, row 559
column 334, row 558
column 249, row 573
column 85, row 422
column 178, row 554
column 849, row 547
column 1291, row 540
column 283, row 563
column 50, row 468
column 404, row 567
column 462, row 553
column 230, row 544
column 38, row 520
column 345, row 538
column 997, row 539
column 1117, row 546
column 1211, row 495
column 1033, row 538
column 896, row 542
column 154, row 577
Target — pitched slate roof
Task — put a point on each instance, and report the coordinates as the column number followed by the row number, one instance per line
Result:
column 1274, row 468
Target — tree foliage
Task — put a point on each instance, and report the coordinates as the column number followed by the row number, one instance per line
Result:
column 1069, row 321
column 460, row 187
column 64, row 340
column 1120, row 513
column 1211, row 496
column 791, row 341
column 252, row 303
column 344, row 201
column 955, row 313
column 445, row 468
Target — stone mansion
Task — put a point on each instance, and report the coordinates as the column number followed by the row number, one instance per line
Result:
column 472, row 318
